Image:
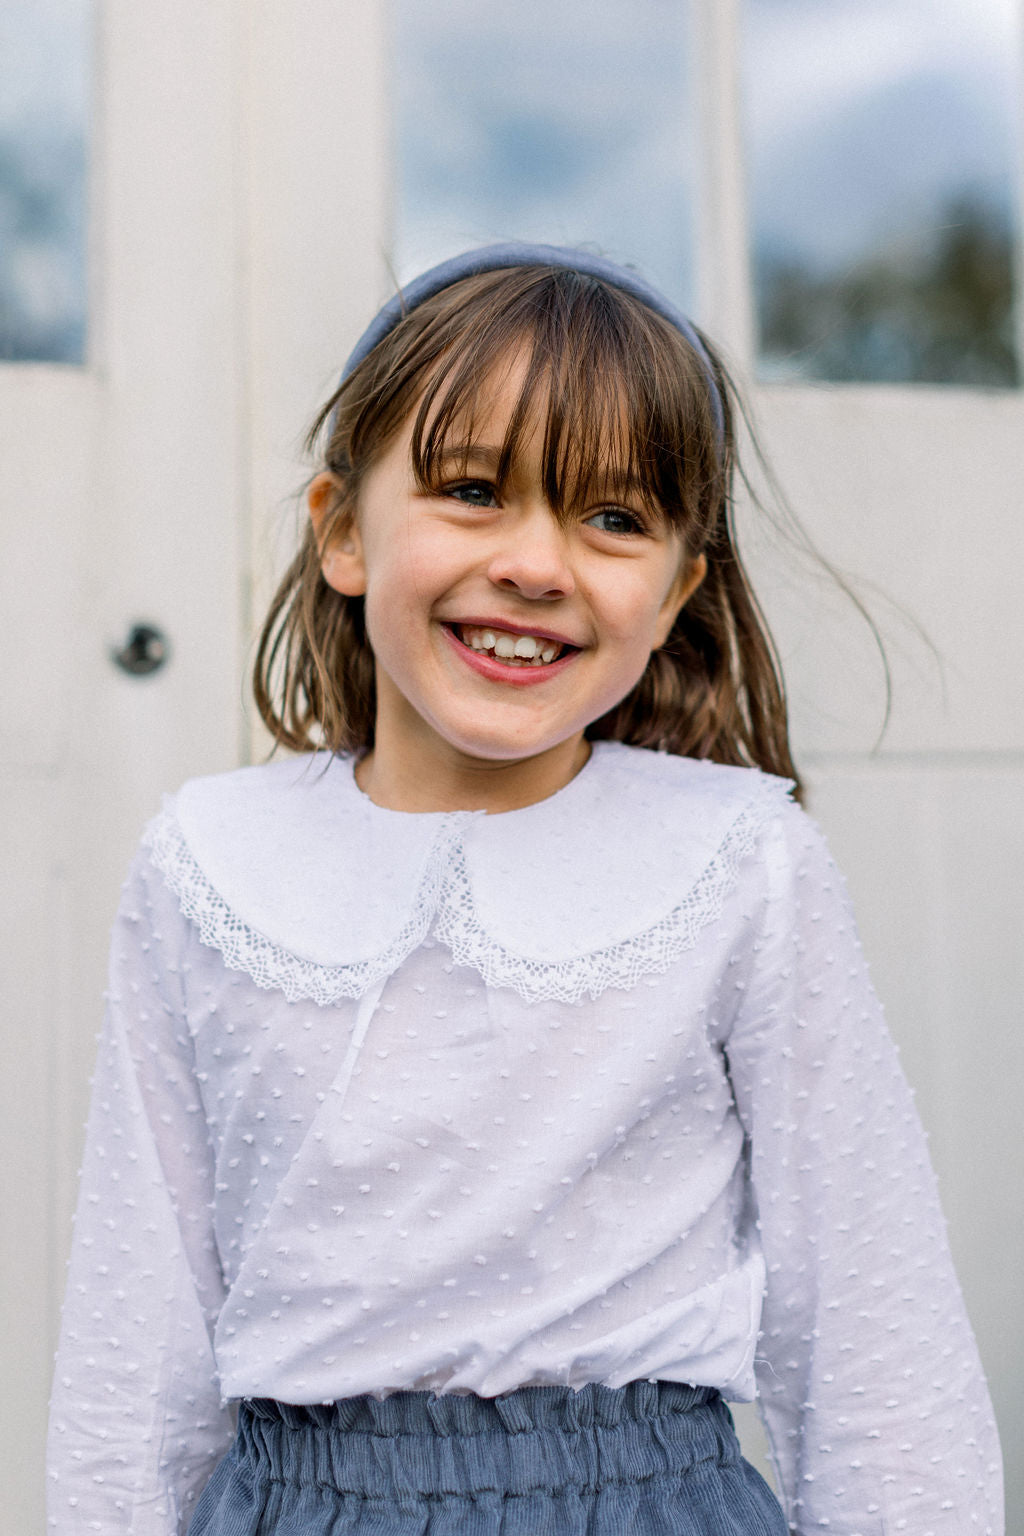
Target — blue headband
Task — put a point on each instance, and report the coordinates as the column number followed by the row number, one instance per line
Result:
column 494, row 258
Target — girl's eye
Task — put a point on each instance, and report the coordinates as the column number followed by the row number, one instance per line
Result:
column 616, row 520
column 475, row 493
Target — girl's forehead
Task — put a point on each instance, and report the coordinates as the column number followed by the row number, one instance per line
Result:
column 514, row 396
column 494, row 394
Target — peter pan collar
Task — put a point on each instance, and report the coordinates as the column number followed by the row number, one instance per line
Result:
column 300, row 880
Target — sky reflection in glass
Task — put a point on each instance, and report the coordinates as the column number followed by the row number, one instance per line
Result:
column 882, row 168
column 45, row 83
column 566, row 123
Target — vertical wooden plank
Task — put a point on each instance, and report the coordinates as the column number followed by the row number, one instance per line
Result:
column 317, row 188
column 29, row 899
column 47, row 480
column 724, row 296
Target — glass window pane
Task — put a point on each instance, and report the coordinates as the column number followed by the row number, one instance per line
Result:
column 882, row 163
column 566, row 123
column 45, row 46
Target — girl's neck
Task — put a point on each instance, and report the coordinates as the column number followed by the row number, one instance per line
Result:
column 445, row 780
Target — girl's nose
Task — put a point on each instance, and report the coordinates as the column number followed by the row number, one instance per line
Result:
column 533, row 558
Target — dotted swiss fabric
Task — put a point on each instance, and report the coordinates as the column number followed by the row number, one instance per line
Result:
column 709, row 1171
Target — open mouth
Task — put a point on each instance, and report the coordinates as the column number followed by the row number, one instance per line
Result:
column 511, row 649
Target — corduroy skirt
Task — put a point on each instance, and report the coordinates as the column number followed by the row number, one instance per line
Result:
column 647, row 1459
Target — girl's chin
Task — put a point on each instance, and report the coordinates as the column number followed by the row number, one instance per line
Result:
column 476, row 741
column 495, row 753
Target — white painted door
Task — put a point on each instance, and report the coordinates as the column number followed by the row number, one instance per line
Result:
column 121, row 500
column 237, row 184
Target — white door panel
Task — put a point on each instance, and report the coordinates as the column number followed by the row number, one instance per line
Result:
column 934, row 859
column 917, row 492
column 48, row 465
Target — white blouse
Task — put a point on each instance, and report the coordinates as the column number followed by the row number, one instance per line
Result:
column 591, row 1091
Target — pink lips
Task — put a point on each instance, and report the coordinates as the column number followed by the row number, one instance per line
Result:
column 500, row 671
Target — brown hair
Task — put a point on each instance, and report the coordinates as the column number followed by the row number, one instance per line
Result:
column 613, row 384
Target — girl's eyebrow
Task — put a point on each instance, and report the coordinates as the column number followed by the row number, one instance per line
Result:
column 620, row 483
column 483, row 453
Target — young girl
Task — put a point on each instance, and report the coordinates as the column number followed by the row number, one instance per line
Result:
column 496, row 1087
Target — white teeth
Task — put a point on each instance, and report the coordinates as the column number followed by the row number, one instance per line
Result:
column 526, row 650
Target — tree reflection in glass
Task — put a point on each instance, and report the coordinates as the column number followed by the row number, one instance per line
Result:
column 881, row 161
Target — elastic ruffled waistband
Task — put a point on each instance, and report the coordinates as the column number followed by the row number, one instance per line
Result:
column 535, row 1439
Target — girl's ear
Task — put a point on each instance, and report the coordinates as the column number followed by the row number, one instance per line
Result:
column 691, row 574
column 341, row 553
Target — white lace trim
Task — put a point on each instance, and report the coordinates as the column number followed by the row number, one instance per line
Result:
column 619, row 965
column 444, row 906
column 268, row 964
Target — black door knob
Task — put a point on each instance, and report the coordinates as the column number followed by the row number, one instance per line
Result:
column 145, row 650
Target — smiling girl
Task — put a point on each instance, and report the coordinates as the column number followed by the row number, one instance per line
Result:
column 494, row 1087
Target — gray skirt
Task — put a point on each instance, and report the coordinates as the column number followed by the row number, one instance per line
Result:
column 648, row 1459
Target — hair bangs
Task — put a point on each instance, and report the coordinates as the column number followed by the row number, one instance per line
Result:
column 606, row 383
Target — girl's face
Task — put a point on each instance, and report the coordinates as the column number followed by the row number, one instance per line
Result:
column 499, row 632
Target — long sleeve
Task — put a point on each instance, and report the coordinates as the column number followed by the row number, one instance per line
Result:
column 868, row 1376
column 136, row 1420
